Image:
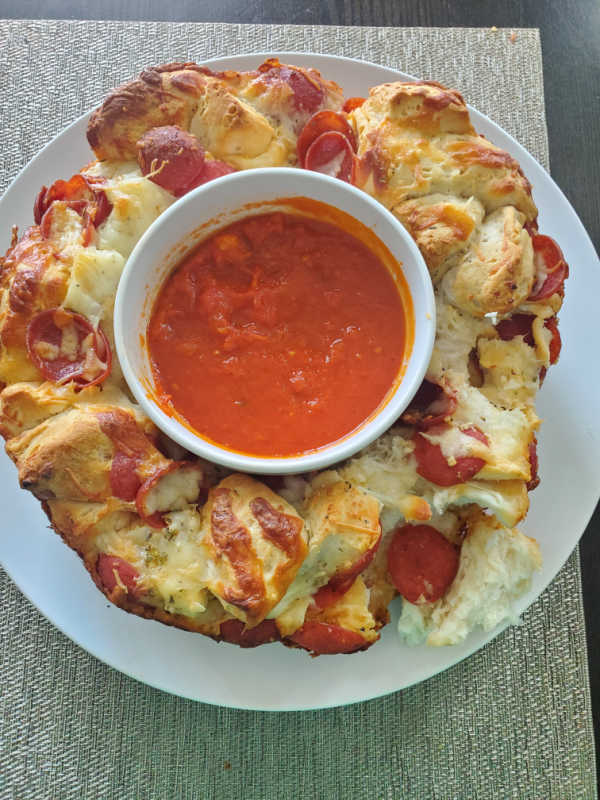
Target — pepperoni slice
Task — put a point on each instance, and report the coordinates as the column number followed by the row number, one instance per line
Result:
column 521, row 325
column 102, row 209
column 517, row 325
column 422, row 563
column 81, row 194
column 212, row 170
column 555, row 343
column 551, row 267
column 331, row 153
column 324, row 639
column 342, row 581
column 124, row 480
column 533, row 463
column 352, row 103
column 431, row 405
column 432, row 465
column 171, row 158
column 319, row 123
column 65, row 347
column 115, row 571
column 327, row 596
column 154, row 519
column 371, row 166
column 307, row 94
column 235, row 632
column 72, row 191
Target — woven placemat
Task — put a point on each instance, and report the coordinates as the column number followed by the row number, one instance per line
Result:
column 513, row 721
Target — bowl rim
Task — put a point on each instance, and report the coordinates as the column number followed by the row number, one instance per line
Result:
column 337, row 451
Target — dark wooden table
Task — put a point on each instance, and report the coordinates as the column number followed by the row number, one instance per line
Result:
column 570, row 32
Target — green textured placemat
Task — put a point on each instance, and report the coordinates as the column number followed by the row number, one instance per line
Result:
column 513, row 721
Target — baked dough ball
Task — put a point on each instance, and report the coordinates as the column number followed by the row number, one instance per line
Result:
column 92, row 453
column 25, row 405
column 442, row 226
column 147, row 571
column 165, row 95
column 343, row 524
column 68, row 262
column 254, row 543
column 416, row 139
column 248, row 119
column 495, row 569
column 496, row 274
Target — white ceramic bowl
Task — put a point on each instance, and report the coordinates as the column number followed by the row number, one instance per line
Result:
column 216, row 204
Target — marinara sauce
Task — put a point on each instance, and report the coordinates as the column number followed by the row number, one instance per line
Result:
column 278, row 335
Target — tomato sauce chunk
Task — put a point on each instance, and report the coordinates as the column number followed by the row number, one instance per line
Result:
column 278, row 335
column 422, row 563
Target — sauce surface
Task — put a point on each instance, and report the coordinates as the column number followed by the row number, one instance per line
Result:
column 278, row 335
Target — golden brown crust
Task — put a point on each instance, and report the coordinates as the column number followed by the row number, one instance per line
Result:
column 340, row 508
column 417, row 139
column 166, row 95
column 427, row 106
column 257, row 542
column 70, row 455
column 24, row 405
column 247, row 119
column 442, row 226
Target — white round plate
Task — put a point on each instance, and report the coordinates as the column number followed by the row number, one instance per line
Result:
column 273, row 677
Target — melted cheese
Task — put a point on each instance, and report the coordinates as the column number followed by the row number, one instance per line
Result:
column 232, row 130
column 66, row 228
column 511, row 372
column 385, row 469
column 507, row 500
column 174, row 491
column 170, row 561
column 457, row 334
column 136, row 201
column 93, row 284
column 508, row 431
